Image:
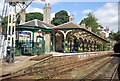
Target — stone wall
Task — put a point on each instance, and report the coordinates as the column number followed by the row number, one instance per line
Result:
column 47, row 42
column 35, row 36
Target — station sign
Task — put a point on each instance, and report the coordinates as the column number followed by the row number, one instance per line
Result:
column 24, row 36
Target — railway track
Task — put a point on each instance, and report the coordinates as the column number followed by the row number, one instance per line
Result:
column 105, row 72
column 52, row 71
column 115, row 74
column 59, row 69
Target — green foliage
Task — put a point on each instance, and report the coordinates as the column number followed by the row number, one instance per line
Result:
column 92, row 22
column 0, row 17
column 29, row 16
column 115, row 36
column 35, row 15
column 4, row 24
column 38, row 76
column 18, row 52
column 105, row 46
column 60, row 18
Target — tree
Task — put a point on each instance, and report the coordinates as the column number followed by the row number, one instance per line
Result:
column 29, row 16
column 115, row 36
column 35, row 15
column 91, row 21
column 60, row 18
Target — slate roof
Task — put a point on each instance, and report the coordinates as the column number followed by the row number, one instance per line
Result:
column 67, row 25
column 37, row 23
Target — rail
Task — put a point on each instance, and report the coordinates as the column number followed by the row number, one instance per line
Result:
column 92, row 72
column 99, row 74
column 114, row 73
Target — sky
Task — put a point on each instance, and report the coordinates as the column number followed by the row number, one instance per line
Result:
column 105, row 12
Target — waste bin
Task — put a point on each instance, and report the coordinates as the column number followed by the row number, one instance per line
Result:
column 10, row 55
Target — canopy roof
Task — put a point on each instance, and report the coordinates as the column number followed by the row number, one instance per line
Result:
column 37, row 23
column 68, row 25
column 72, row 25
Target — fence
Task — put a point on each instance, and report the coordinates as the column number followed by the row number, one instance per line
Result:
column 29, row 48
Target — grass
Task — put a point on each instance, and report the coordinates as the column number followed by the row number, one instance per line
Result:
column 38, row 76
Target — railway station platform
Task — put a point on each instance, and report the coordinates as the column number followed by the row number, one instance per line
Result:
column 19, row 63
column 81, row 53
column 22, row 62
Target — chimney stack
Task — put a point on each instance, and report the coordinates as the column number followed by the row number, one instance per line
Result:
column 71, row 18
column 47, row 13
column 83, row 25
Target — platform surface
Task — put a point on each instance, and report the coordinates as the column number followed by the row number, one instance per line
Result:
column 19, row 63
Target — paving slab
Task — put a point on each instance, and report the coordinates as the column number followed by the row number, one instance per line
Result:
column 19, row 63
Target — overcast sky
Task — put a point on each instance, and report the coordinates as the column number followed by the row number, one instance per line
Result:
column 105, row 12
